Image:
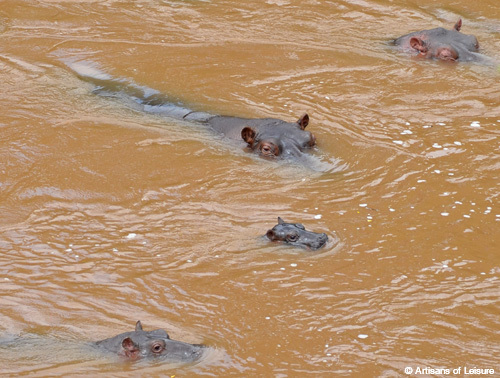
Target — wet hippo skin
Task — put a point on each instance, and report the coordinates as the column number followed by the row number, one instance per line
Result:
column 269, row 137
column 141, row 344
column 295, row 234
column 442, row 44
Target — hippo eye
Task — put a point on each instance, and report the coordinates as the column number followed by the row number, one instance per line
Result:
column 268, row 150
column 447, row 54
column 157, row 347
column 293, row 237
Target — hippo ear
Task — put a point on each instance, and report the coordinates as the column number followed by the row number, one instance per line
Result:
column 458, row 25
column 131, row 350
column 270, row 234
column 417, row 44
column 303, row 121
column 280, row 221
column 248, row 135
column 138, row 326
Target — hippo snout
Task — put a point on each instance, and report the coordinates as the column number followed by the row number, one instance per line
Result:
column 320, row 241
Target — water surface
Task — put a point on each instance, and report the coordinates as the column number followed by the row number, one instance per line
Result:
column 111, row 215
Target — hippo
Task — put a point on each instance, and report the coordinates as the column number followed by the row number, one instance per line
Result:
column 268, row 137
column 141, row 344
column 441, row 44
column 296, row 234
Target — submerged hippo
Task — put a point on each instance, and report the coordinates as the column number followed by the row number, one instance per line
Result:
column 140, row 344
column 442, row 44
column 268, row 137
column 296, row 234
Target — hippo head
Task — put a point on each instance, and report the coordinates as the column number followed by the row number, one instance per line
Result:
column 441, row 44
column 279, row 138
column 152, row 344
column 296, row 234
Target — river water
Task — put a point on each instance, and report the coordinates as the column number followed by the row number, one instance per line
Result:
column 111, row 215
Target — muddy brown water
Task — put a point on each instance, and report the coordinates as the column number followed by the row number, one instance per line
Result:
column 110, row 215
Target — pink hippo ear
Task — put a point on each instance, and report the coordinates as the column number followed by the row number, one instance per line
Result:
column 417, row 44
column 131, row 350
column 248, row 135
column 270, row 234
column 303, row 121
column 458, row 25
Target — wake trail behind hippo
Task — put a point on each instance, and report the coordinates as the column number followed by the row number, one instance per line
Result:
column 268, row 137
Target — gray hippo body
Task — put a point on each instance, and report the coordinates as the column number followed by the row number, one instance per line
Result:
column 141, row 344
column 442, row 44
column 296, row 234
column 268, row 137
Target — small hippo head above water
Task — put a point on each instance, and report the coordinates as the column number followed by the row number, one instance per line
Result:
column 296, row 234
column 140, row 344
column 442, row 44
column 273, row 137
